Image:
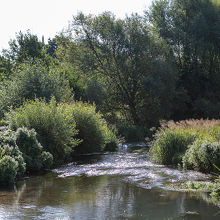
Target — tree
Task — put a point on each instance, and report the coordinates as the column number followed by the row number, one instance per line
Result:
column 51, row 47
column 25, row 47
column 5, row 68
column 119, row 54
column 29, row 82
column 192, row 30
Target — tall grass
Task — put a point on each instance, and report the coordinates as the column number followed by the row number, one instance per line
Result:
column 192, row 143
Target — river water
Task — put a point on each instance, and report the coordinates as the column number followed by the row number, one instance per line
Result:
column 106, row 187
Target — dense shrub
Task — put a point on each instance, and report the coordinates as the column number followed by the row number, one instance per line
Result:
column 111, row 141
column 170, row 145
column 33, row 81
column 12, row 164
column 93, row 130
column 201, row 156
column 193, row 143
column 8, row 170
column 54, row 126
column 32, row 150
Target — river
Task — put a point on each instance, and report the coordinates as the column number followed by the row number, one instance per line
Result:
column 106, row 187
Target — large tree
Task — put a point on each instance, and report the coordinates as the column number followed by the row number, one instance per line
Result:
column 120, row 55
column 192, row 30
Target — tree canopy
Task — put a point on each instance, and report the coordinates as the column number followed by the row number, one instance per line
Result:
column 138, row 70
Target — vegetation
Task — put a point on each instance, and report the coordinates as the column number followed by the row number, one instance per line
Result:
column 137, row 71
column 20, row 152
column 12, row 164
column 32, row 81
column 169, row 146
column 207, row 190
column 202, row 156
column 55, row 128
column 92, row 129
column 194, row 144
column 32, row 151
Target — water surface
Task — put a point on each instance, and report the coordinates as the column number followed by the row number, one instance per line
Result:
column 111, row 186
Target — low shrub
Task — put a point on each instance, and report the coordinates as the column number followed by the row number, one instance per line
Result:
column 170, row 145
column 193, row 143
column 33, row 154
column 93, row 131
column 201, row 156
column 111, row 141
column 55, row 128
column 8, row 170
column 12, row 164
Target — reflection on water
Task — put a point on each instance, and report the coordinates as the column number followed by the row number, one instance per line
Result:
column 115, row 186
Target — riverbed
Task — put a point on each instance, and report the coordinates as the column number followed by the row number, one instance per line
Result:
column 110, row 186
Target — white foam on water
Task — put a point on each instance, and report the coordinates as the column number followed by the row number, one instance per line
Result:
column 135, row 167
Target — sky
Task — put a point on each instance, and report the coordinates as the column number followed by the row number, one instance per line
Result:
column 49, row 17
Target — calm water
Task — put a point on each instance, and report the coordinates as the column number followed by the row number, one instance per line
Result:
column 113, row 186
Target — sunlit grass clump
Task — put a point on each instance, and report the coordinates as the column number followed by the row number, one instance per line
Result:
column 193, row 144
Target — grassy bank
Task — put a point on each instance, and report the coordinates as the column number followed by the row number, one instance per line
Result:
column 190, row 144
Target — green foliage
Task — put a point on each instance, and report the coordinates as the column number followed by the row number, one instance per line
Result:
column 5, row 68
column 12, row 164
column 201, row 156
column 191, row 29
column 54, row 126
column 33, row 81
column 46, row 159
column 213, row 188
column 111, row 141
column 170, row 145
column 8, row 147
column 93, row 130
column 193, row 143
column 24, row 47
column 119, row 59
column 8, row 170
column 34, row 156
column 132, row 133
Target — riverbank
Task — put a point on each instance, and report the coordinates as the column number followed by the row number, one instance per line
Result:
column 190, row 145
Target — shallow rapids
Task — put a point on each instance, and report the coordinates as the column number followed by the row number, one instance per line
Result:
column 133, row 167
column 119, row 186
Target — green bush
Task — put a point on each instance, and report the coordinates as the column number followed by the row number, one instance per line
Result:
column 8, row 170
column 201, row 156
column 12, row 164
column 8, row 147
column 111, row 141
column 93, row 131
column 32, row 150
column 191, row 143
column 54, row 126
column 170, row 145
column 33, row 81
column 46, row 159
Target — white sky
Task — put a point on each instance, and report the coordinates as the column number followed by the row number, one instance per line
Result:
column 48, row 17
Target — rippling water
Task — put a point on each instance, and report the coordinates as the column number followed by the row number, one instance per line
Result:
column 111, row 186
column 132, row 167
